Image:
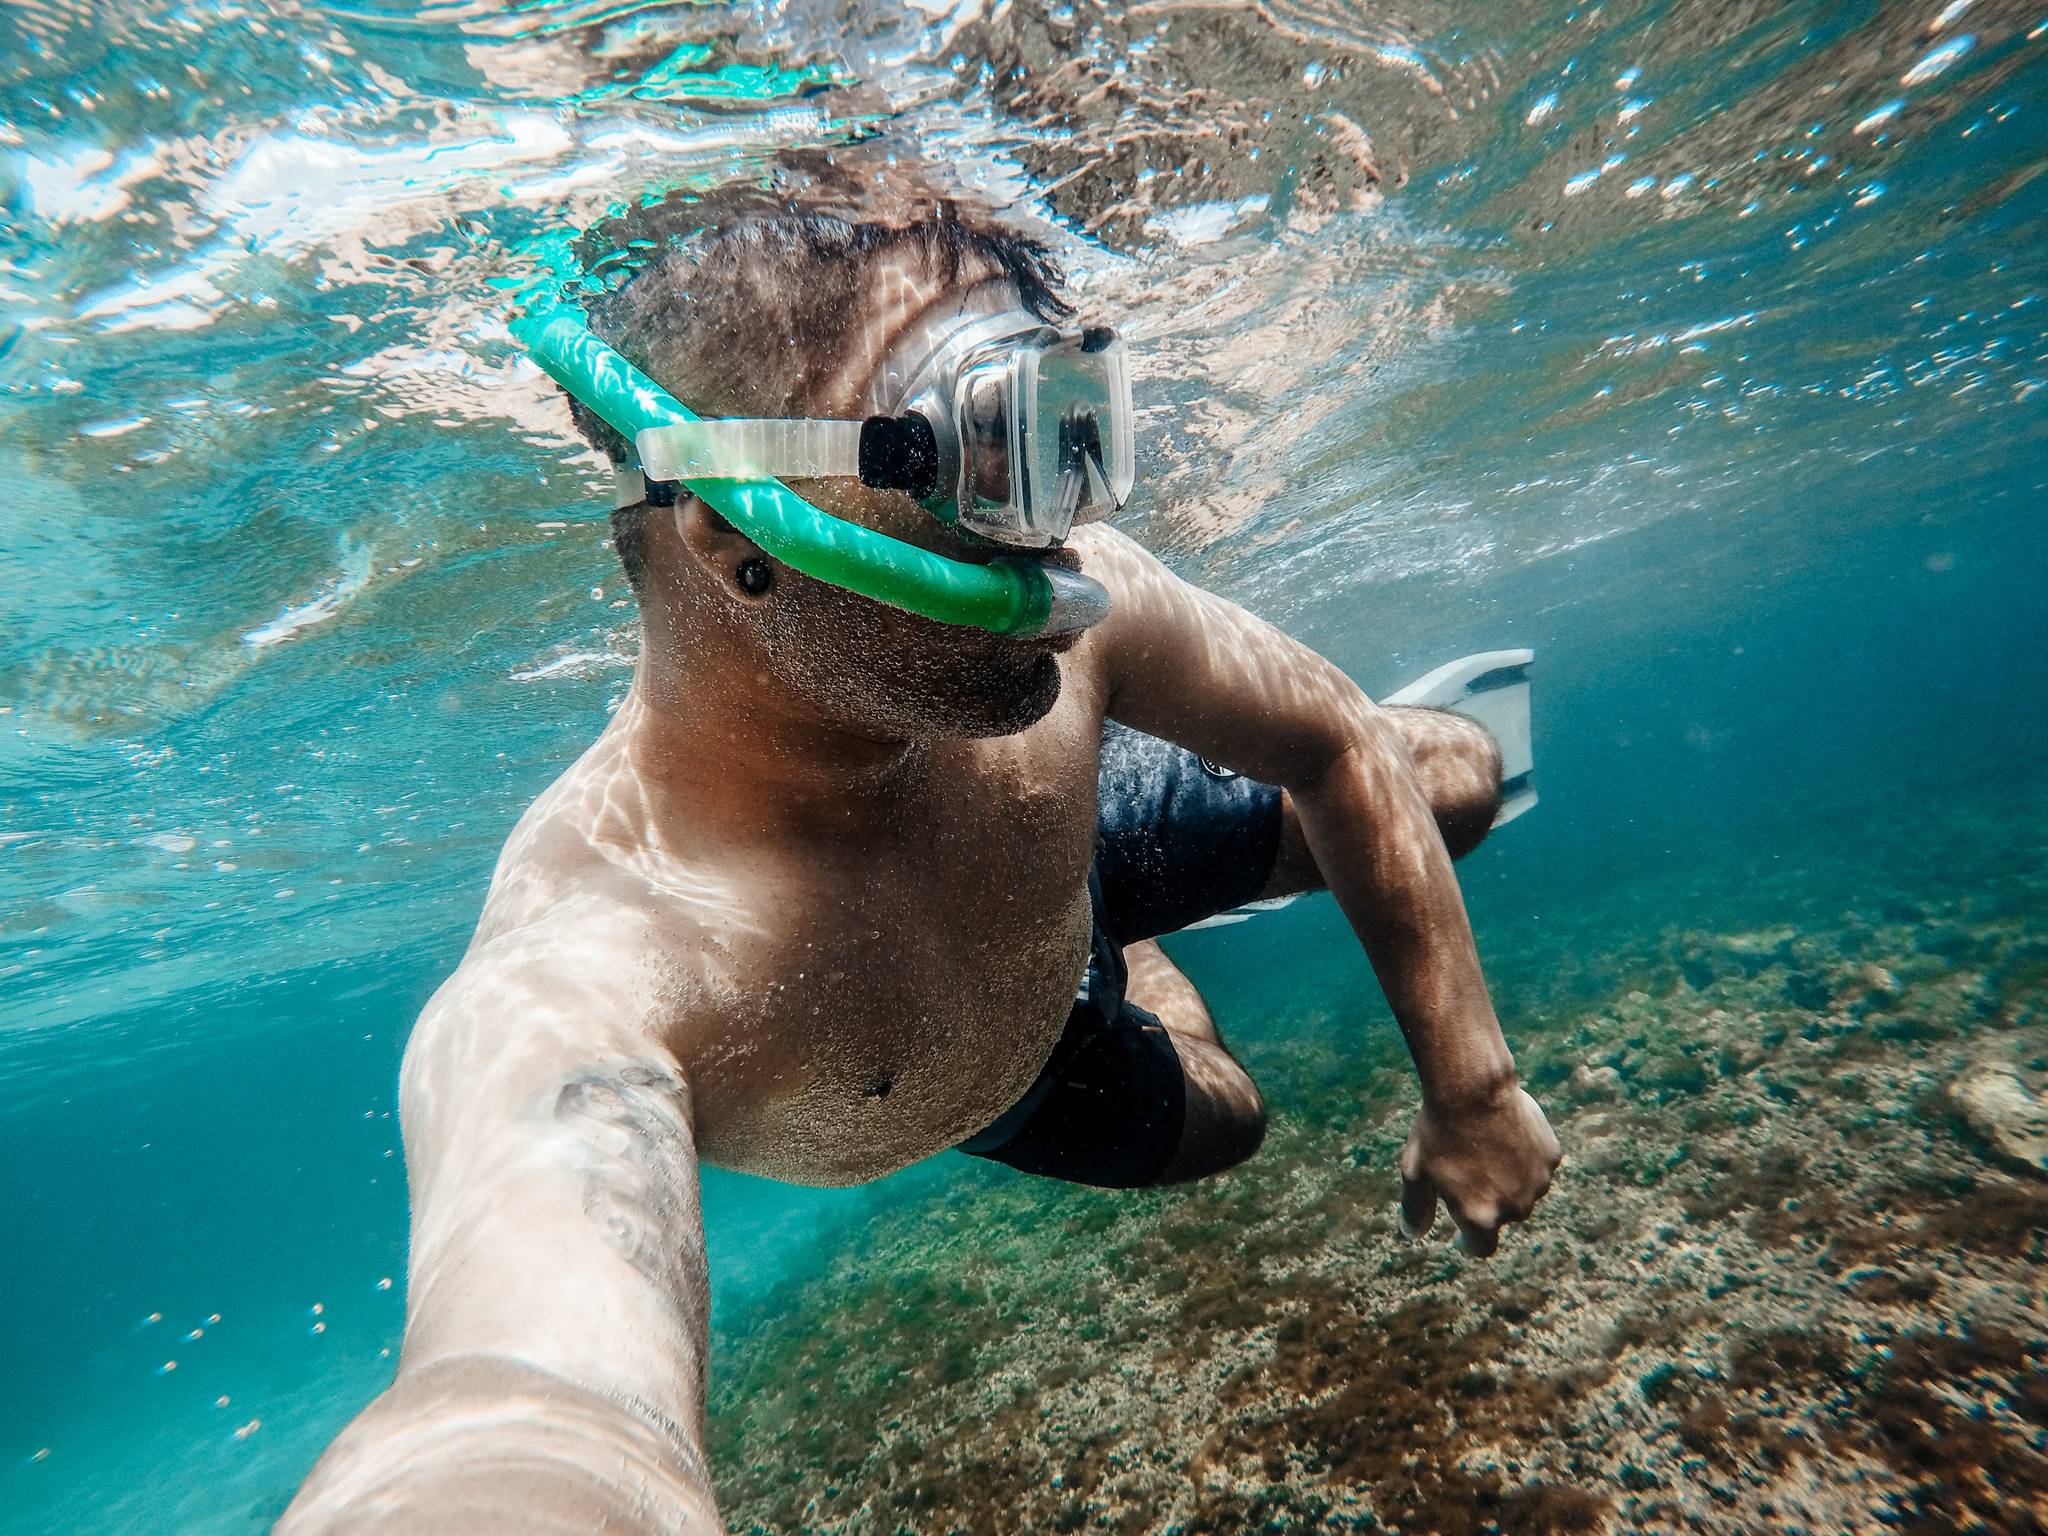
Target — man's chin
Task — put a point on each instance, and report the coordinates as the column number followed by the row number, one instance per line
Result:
column 1003, row 699
column 1035, row 702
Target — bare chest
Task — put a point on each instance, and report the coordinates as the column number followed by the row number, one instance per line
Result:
column 871, row 1010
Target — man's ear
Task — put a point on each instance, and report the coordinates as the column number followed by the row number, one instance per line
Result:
column 708, row 538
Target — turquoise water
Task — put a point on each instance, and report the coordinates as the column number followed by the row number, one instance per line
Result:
column 1703, row 351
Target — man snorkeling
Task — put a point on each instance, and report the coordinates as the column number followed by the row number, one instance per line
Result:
column 844, row 883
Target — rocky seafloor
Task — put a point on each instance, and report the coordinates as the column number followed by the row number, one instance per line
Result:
column 1790, row 1278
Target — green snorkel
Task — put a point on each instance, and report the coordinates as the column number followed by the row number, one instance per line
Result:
column 1005, row 597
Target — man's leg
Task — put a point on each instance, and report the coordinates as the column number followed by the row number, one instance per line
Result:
column 1226, row 1117
column 1459, row 766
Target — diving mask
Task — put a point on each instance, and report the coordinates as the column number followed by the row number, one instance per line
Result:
column 1004, row 426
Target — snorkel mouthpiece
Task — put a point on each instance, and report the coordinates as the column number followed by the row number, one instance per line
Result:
column 1077, row 602
column 1004, row 597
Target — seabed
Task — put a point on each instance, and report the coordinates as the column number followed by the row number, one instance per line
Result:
column 1789, row 1280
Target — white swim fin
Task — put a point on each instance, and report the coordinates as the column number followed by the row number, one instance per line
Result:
column 1243, row 914
column 1491, row 687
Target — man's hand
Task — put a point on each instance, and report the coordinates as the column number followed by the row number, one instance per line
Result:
column 1489, row 1162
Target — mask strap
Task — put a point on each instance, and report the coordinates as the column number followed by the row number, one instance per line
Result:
column 740, row 448
column 914, row 363
column 891, row 453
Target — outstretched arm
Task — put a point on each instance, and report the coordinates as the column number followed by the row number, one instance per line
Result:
column 1189, row 666
column 552, row 1377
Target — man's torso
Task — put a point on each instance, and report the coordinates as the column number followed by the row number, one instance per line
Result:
column 844, row 1005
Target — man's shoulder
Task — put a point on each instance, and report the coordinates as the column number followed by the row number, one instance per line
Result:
column 577, row 927
column 584, row 977
column 560, row 867
column 582, row 945
column 1106, row 554
column 1154, row 616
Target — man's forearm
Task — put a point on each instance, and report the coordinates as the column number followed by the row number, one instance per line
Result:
column 556, row 1291
column 1367, row 822
column 483, row 1445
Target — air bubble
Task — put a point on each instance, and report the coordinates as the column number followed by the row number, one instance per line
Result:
column 1937, row 61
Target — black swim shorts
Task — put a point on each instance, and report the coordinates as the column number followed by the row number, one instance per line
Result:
column 1178, row 839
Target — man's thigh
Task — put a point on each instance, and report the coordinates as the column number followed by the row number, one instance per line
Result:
column 1163, row 990
column 1180, row 839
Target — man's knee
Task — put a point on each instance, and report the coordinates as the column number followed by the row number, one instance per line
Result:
column 1465, row 817
column 1220, row 1145
column 1225, row 1116
column 1459, row 765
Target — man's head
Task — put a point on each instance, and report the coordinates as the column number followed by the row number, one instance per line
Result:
column 783, row 311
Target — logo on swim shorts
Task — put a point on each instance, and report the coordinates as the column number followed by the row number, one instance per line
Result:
column 1215, row 770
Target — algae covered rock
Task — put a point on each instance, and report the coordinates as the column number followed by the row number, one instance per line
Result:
column 2007, row 1112
column 1592, row 1083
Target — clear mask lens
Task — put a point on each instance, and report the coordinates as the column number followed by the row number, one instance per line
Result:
column 1078, row 458
column 1045, row 435
column 984, row 421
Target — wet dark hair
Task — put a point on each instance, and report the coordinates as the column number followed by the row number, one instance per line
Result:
column 746, row 316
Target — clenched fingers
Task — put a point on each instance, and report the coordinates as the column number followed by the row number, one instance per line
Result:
column 1418, row 1206
column 1478, row 1238
column 1418, row 1194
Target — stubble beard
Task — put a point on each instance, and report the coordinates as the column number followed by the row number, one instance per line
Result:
column 965, row 697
